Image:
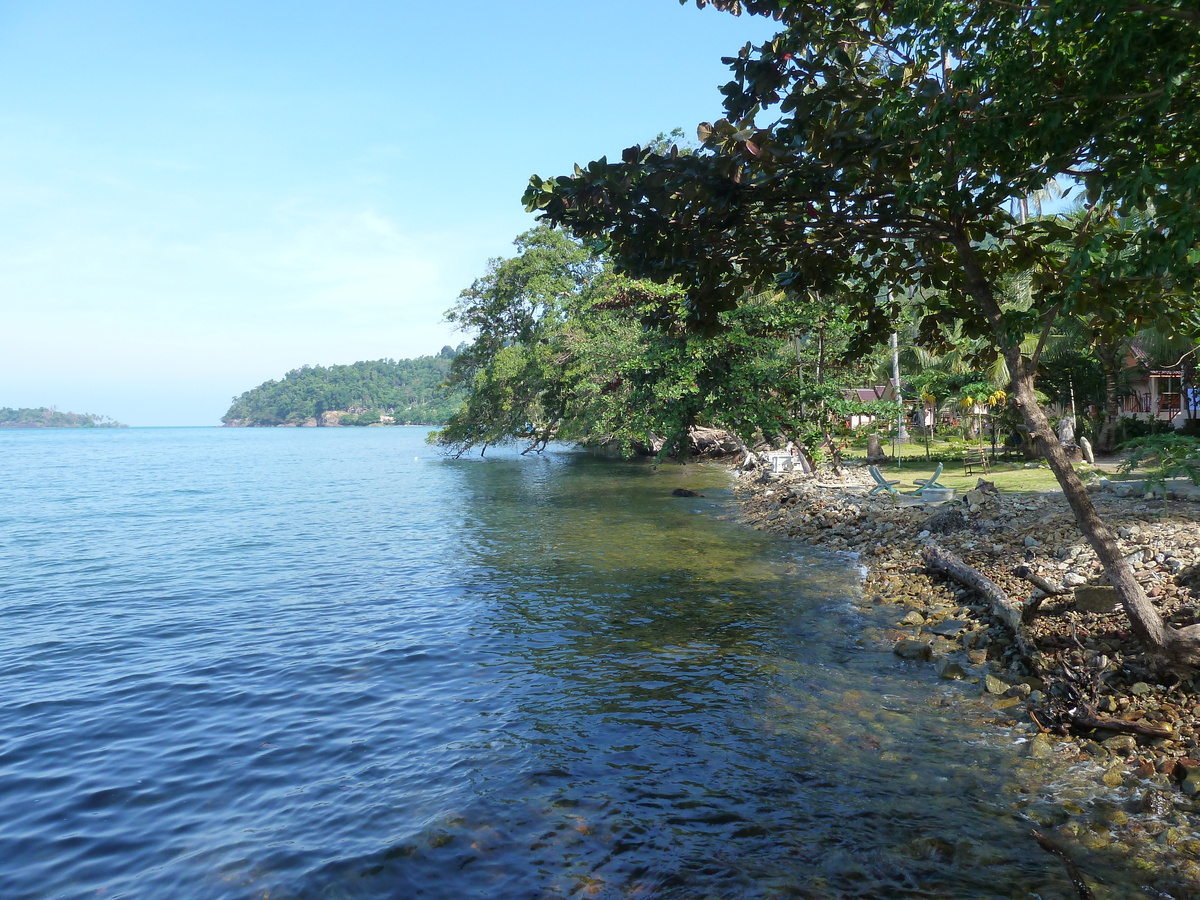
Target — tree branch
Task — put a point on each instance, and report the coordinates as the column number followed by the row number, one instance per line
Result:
column 1081, row 887
column 1037, row 353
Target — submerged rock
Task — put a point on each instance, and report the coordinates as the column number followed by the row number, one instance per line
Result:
column 913, row 650
column 1041, row 747
column 951, row 670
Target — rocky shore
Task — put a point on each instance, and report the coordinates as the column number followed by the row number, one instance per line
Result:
column 1080, row 641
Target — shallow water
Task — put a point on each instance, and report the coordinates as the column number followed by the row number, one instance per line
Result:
column 328, row 663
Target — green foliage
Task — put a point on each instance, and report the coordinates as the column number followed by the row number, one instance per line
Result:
column 1105, row 91
column 1166, row 456
column 1132, row 429
column 564, row 349
column 41, row 417
column 885, row 165
column 370, row 417
column 514, row 371
column 411, row 391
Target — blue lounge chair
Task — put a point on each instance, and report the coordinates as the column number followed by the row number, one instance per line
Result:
column 924, row 483
column 881, row 483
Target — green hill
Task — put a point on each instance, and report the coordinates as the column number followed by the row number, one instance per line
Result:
column 41, row 417
column 384, row 391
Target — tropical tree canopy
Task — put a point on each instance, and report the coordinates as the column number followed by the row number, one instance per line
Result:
column 564, row 349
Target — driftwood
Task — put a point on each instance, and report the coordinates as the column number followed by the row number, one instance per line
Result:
column 1083, row 720
column 1009, row 611
column 1048, row 589
column 1042, row 584
column 1081, row 714
column 1081, row 887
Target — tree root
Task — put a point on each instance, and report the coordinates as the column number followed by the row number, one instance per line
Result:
column 1048, row 587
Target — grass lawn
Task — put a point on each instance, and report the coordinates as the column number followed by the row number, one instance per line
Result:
column 1009, row 477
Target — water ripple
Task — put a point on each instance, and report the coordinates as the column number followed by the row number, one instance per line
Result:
column 302, row 663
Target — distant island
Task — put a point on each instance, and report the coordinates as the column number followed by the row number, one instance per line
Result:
column 382, row 392
column 41, row 417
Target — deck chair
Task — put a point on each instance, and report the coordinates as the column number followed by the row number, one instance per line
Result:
column 881, row 483
column 931, row 482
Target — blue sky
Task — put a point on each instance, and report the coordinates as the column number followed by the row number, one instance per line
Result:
column 197, row 197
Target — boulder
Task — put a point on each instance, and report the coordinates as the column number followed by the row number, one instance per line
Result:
column 994, row 685
column 1088, row 455
column 952, row 670
column 1121, row 745
column 913, row 650
column 982, row 496
column 1041, row 747
column 1096, row 598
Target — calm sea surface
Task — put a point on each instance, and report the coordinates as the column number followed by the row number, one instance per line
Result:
column 326, row 663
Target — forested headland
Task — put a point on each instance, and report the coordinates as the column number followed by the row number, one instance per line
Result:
column 379, row 392
column 41, row 417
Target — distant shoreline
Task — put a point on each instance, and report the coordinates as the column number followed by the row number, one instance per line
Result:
column 43, row 417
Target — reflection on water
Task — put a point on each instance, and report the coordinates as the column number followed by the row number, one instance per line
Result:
column 322, row 665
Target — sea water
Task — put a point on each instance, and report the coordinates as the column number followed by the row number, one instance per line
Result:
column 329, row 663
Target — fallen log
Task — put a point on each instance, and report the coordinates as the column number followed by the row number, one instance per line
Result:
column 1009, row 611
column 1126, row 726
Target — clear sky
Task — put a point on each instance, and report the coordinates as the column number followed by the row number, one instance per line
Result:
column 199, row 196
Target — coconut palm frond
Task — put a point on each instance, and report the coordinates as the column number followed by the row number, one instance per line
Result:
column 1159, row 350
column 998, row 373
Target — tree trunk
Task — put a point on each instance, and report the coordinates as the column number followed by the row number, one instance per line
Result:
column 1106, row 438
column 1175, row 647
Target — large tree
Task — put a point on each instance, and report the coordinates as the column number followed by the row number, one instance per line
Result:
column 513, row 370
column 563, row 349
column 883, row 144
